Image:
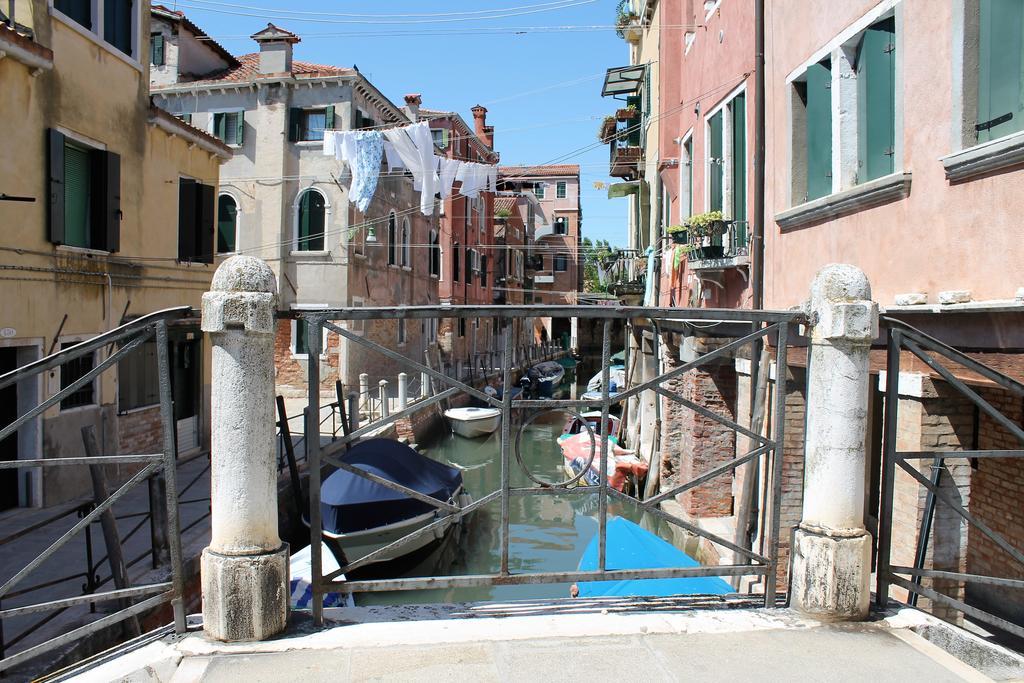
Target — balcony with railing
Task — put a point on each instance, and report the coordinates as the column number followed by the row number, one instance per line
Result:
column 626, row 152
column 731, row 249
column 623, row 273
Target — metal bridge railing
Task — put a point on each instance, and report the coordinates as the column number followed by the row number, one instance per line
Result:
column 129, row 337
column 902, row 336
column 764, row 325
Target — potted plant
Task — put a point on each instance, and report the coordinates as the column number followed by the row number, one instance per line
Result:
column 704, row 228
column 626, row 22
column 678, row 234
column 628, row 113
column 607, row 131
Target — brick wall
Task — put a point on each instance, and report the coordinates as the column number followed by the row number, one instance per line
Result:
column 140, row 431
column 792, row 499
column 997, row 489
column 291, row 373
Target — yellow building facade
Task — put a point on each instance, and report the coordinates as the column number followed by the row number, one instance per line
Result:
column 106, row 217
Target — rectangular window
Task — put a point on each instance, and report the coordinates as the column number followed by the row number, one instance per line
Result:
column 738, row 121
column 538, row 190
column 402, row 333
column 156, row 50
column 300, row 346
column 812, row 134
column 688, row 171
column 560, row 190
column 138, row 382
column 462, row 327
column 456, row 262
column 229, row 127
column 469, row 266
column 84, row 202
column 1000, row 68
column 314, row 121
column 561, row 225
column 440, row 137
column 117, row 24
column 876, row 101
column 483, row 271
column 561, row 263
column 196, row 224
column 716, row 163
column 70, row 373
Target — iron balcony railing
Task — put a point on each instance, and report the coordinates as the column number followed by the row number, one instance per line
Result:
column 730, row 249
column 135, row 600
column 773, row 326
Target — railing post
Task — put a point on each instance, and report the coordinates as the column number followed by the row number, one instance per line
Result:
column 424, row 385
column 382, row 387
column 245, row 567
column 403, row 391
column 364, row 393
column 832, row 549
column 353, row 411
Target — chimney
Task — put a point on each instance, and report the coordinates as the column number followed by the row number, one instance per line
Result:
column 275, row 49
column 412, row 106
column 483, row 131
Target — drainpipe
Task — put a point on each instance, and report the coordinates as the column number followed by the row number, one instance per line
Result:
column 757, row 238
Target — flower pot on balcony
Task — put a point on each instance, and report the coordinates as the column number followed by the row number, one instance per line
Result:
column 713, row 251
column 626, row 114
column 633, row 33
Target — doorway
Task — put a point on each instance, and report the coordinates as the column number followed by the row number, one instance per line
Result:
column 8, row 414
column 186, row 358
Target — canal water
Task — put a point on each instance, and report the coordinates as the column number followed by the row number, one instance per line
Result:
column 547, row 532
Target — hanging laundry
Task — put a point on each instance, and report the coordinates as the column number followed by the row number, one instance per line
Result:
column 492, row 178
column 331, row 142
column 449, row 169
column 416, row 148
column 473, row 177
column 393, row 157
column 362, row 151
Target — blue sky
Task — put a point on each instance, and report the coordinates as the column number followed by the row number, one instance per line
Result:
column 540, row 82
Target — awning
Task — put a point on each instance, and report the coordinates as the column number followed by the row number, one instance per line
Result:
column 624, row 80
column 623, row 189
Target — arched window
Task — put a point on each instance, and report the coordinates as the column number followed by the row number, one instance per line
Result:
column 227, row 224
column 312, row 221
column 435, row 254
column 406, row 235
column 392, row 239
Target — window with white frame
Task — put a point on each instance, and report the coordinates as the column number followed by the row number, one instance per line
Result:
column 435, row 254
column 538, row 190
column 300, row 339
column 406, row 257
column 686, row 178
column 560, row 189
column 402, row 332
column 393, row 245
column 228, row 127
column 726, row 160
column 844, row 118
column 311, row 221
column 227, row 224
column 356, row 326
column 115, row 22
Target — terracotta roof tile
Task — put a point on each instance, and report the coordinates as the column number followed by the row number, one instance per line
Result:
column 248, row 69
column 539, row 171
column 176, row 15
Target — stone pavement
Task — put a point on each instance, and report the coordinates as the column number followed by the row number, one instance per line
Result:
column 597, row 641
column 70, row 560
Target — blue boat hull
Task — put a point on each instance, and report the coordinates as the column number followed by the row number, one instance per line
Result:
column 631, row 547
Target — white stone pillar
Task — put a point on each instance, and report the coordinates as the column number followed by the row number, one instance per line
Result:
column 245, row 567
column 403, row 391
column 382, row 389
column 364, row 393
column 832, row 551
column 424, row 385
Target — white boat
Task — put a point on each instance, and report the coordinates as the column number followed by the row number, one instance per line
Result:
column 473, row 422
column 301, row 576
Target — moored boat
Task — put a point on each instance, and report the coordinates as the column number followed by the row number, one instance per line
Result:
column 545, row 377
column 630, row 546
column 576, row 425
column 473, row 422
column 361, row 516
column 624, row 467
column 300, row 571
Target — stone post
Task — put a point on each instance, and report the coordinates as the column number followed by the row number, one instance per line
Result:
column 832, row 549
column 403, row 391
column 364, row 393
column 382, row 390
column 353, row 411
column 245, row 567
column 424, row 385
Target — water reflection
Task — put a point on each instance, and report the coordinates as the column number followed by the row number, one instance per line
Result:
column 547, row 533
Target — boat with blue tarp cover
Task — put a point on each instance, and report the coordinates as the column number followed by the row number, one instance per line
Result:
column 361, row 516
column 630, row 546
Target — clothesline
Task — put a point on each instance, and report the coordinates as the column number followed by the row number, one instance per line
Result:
column 409, row 148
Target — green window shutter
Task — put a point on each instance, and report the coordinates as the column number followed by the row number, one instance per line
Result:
column 311, row 222
column 227, row 221
column 77, row 196
column 301, row 337
column 715, row 167
column 738, row 112
column 117, row 24
column 79, row 10
column 55, row 185
column 156, row 49
column 206, row 197
column 689, row 175
column 187, row 200
column 239, row 127
column 1001, row 68
column 106, row 201
column 329, row 118
column 818, row 101
column 294, row 124
column 876, row 101
column 220, row 126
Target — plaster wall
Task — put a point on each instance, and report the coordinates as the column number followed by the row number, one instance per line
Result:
column 944, row 235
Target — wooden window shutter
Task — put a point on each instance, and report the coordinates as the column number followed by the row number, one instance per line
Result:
column 205, row 226
column 738, row 112
column 294, row 124
column 716, row 168
column 819, row 130
column 239, row 127
column 219, row 126
column 186, row 219
column 105, row 226
column 876, row 101
column 1001, row 69
column 329, row 118
column 55, row 185
column 156, row 49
